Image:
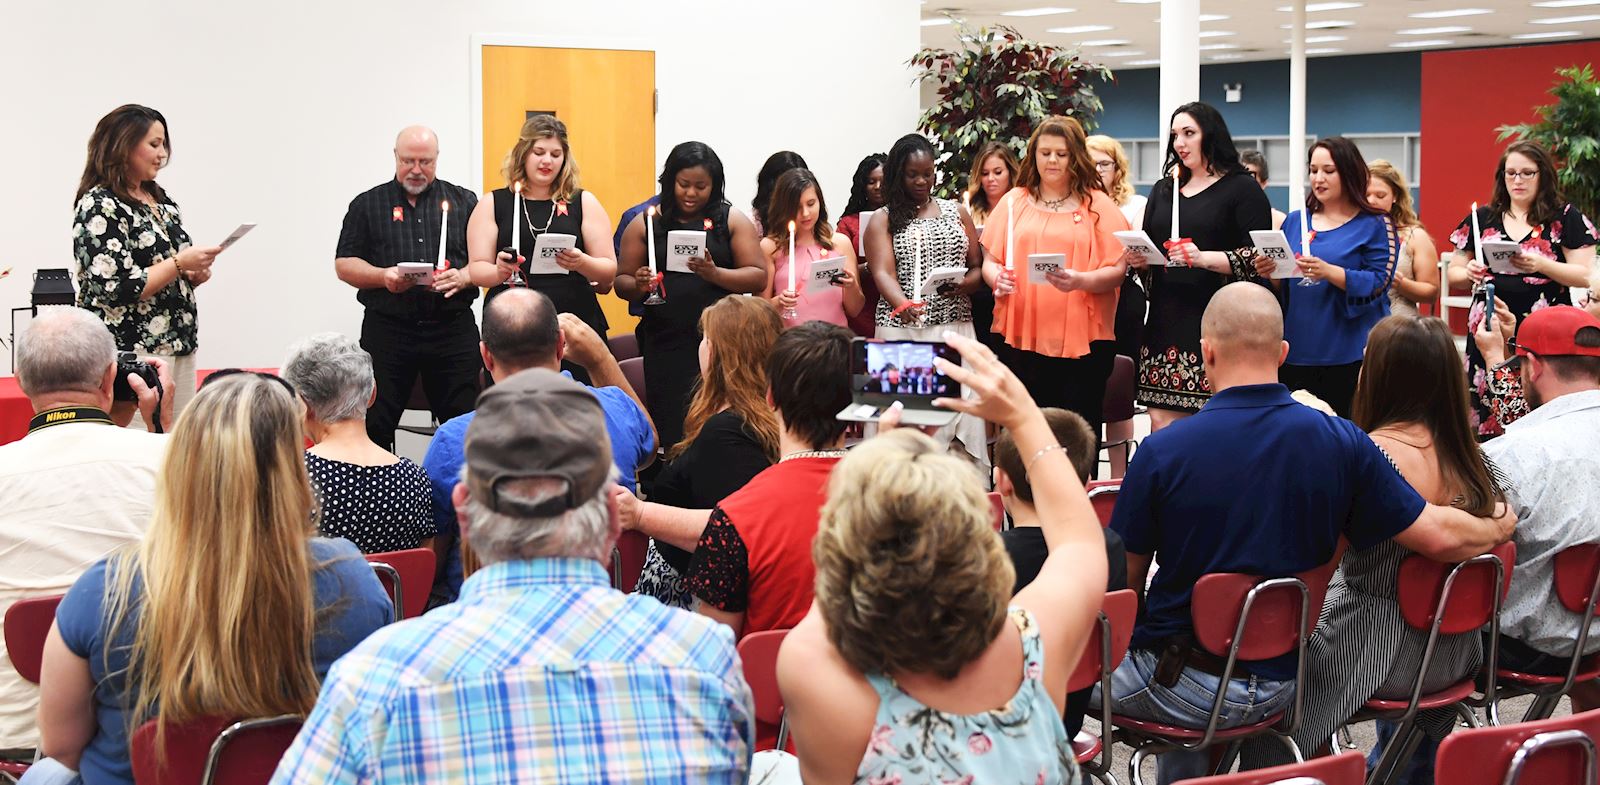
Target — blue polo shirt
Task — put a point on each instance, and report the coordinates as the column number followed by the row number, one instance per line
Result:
column 632, row 444
column 1255, row 482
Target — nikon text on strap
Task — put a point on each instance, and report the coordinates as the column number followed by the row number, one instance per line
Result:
column 66, row 414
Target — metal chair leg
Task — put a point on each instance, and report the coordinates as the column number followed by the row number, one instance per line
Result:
column 1344, row 734
column 1396, row 754
column 1294, row 749
column 1229, row 755
column 1135, row 762
column 1542, row 707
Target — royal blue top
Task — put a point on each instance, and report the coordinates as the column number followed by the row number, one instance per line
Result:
column 1255, row 482
column 1326, row 325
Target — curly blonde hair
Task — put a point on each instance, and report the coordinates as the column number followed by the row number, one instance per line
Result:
column 1121, row 189
column 910, row 573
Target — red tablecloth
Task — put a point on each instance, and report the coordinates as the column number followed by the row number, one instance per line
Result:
column 15, row 411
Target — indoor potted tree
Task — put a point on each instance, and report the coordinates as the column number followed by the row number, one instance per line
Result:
column 1568, row 128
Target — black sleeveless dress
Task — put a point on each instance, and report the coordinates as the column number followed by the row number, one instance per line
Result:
column 669, row 333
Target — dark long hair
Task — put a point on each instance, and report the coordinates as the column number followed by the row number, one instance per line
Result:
column 777, row 163
column 1547, row 201
column 1353, row 173
column 785, row 205
column 1412, row 374
column 1216, row 144
column 688, row 155
column 896, row 200
column 113, row 140
column 980, row 198
column 858, row 184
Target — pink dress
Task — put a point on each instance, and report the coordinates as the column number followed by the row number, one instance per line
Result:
column 824, row 305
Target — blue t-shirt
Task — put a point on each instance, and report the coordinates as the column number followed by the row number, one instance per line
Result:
column 632, row 444
column 1255, row 482
column 1326, row 325
column 627, row 218
column 344, row 586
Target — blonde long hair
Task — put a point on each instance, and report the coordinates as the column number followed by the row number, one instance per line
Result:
column 741, row 331
column 227, row 615
column 543, row 126
column 1121, row 189
column 1401, row 212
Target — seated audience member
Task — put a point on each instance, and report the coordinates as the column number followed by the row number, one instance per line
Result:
column 540, row 672
column 159, row 630
column 729, row 436
column 915, row 663
column 1025, row 542
column 752, row 568
column 1181, row 504
column 522, row 330
column 365, row 493
column 1551, row 462
column 90, row 487
column 1504, row 394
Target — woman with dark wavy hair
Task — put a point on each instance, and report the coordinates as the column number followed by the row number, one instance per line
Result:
column 866, row 195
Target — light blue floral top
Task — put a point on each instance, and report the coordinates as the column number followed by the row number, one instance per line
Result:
column 1022, row 742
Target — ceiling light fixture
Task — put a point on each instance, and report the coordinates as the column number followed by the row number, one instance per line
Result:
column 1312, row 8
column 1047, row 11
column 1434, row 30
column 1566, row 20
column 1452, row 13
column 1106, row 42
column 1420, row 44
column 1543, row 36
column 1080, row 29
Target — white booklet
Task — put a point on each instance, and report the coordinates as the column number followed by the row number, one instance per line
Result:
column 545, row 250
column 683, row 245
column 243, row 230
column 819, row 278
column 1273, row 244
column 1137, row 241
column 420, row 273
column 1501, row 255
column 941, row 276
column 1041, row 263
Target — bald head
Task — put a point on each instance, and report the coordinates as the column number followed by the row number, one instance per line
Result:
column 416, row 156
column 1243, row 320
column 520, row 330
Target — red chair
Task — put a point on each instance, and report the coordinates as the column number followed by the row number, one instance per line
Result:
column 633, row 371
column 1239, row 617
column 1103, row 495
column 999, row 506
column 27, row 624
column 627, row 560
column 1347, row 769
column 1108, row 644
column 759, row 653
column 1441, row 599
column 624, row 346
column 213, row 750
column 1560, row 750
column 1577, row 586
column 1118, row 410
column 408, row 577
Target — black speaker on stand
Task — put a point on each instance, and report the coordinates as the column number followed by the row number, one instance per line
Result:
column 51, row 286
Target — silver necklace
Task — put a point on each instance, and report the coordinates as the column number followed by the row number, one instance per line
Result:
column 527, row 217
column 813, row 454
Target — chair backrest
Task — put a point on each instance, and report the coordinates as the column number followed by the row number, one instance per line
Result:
column 1577, row 574
column 1472, row 584
column 627, row 560
column 624, row 346
column 415, row 567
column 999, row 506
column 27, row 624
column 211, row 750
column 1116, row 625
column 1118, row 403
column 633, row 370
column 758, row 651
column 1277, row 606
column 1544, row 751
column 1103, row 495
column 1348, row 768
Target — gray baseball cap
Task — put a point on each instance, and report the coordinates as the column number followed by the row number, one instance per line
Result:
column 537, row 424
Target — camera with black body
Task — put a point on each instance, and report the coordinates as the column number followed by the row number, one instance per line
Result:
column 128, row 362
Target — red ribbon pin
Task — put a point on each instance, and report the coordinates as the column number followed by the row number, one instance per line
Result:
column 398, row 215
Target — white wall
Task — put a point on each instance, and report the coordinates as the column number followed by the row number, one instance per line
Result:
column 281, row 112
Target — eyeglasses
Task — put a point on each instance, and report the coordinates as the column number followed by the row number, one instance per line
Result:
column 1525, row 174
column 1105, row 165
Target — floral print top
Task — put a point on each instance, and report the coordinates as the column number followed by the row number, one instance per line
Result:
column 115, row 242
column 1021, row 743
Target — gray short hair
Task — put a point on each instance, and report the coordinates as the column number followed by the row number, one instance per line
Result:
column 64, row 350
column 579, row 533
column 334, row 376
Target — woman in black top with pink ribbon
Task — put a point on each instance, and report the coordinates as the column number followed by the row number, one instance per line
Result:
column 540, row 169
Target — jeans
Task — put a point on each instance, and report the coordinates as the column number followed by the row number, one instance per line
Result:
column 48, row 772
column 1418, row 770
column 1188, row 704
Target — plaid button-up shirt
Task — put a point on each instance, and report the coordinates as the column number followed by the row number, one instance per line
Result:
column 540, row 672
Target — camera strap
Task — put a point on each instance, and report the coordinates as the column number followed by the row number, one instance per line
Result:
column 68, row 414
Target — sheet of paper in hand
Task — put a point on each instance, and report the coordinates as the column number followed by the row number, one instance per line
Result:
column 1501, row 255
column 243, row 230
column 1137, row 241
column 822, row 272
column 1041, row 263
column 545, row 250
column 420, row 273
column 1274, row 245
column 683, row 245
column 941, row 276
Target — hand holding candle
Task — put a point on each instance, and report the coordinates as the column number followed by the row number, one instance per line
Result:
column 444, row 233
column 1174, row 236
column 792, row 260
column 1011, row 231
column 516, row 218
column 650, row 237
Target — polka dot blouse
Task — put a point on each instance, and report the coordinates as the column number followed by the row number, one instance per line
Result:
column 379, row 508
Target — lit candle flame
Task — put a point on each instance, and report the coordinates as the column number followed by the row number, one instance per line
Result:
column 445, row 206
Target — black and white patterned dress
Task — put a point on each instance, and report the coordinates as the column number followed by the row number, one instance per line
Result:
column 379, row 508
column 944, row 244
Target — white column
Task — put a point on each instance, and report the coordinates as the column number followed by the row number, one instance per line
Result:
column 1297, row 107
column 1180, row 57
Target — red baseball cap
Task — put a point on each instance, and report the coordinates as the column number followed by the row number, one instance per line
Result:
column 1554, row 331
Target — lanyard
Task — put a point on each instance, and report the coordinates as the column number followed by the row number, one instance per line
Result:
column 66, row 414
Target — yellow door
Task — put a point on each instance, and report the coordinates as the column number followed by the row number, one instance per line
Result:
column 607, row 99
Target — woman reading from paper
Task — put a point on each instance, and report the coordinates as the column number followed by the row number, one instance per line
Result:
column 1556, row 250
column 543, row 198
column 797, row 202
column 1220, row 205
column 1059, row 323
